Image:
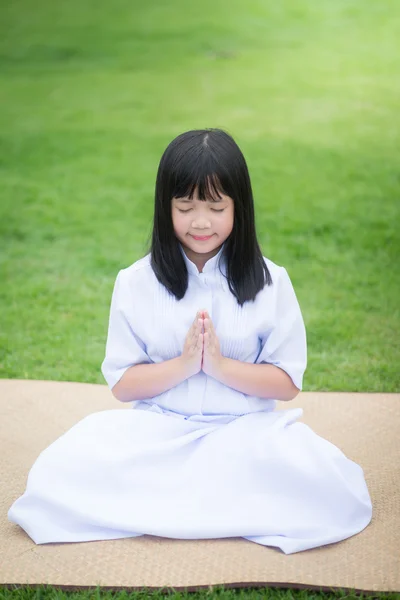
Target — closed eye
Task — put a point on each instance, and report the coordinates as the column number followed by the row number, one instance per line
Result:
column 213, row 209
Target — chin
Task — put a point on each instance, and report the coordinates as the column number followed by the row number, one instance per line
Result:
column 205, row 245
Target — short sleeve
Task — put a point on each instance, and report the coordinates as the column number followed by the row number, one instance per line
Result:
column 123, row 348
column 284, row 344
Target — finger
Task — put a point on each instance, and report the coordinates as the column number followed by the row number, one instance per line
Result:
column 197, row 332
column 196, row 324
column 193, row 333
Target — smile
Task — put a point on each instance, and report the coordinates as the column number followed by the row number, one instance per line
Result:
column 201, row 238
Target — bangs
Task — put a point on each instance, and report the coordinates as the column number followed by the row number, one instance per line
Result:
column 208, row 186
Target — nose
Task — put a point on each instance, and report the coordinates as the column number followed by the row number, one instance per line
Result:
column 201, row 223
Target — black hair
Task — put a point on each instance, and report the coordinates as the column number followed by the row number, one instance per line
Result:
column 210, row 161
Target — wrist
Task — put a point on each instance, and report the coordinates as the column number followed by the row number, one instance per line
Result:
column 184, row 368
column 225, row 365
column 219, row 369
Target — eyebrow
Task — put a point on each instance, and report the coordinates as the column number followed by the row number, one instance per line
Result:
column 188, row 201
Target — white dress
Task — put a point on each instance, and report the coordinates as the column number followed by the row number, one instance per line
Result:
column 201, row 460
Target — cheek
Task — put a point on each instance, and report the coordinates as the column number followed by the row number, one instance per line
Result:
column 175, row 218
column 228, row 223
column 179, row 223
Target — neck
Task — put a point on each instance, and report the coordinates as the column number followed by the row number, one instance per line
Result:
column 200, row 259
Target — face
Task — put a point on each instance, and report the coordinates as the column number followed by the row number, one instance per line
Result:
column 196, row 218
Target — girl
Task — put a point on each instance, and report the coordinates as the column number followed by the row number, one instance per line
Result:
column 205, row 334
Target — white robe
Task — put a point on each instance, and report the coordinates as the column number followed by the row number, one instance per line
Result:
column 200, row 460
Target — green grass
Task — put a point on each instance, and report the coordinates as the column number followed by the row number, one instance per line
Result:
column 92, row 93
column 218, row 592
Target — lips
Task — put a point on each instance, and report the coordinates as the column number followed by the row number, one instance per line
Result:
column 201, row 237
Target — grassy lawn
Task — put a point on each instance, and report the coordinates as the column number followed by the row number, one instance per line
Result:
column 218, row 592
column 91, row 94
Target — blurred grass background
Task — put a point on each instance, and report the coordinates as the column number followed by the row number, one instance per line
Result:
column 93, row 92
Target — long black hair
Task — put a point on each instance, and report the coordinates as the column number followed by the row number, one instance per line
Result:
column 211, row 161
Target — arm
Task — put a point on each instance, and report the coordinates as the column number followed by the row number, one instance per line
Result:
column 262, row 380
column 127, row 368
column 149, row 380
column 278, row 370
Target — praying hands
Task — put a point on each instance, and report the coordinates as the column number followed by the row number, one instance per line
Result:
column 212, row 357
column 201, row 349
column 202, row 352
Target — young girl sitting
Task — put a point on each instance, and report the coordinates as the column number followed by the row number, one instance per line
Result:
column 205, row 335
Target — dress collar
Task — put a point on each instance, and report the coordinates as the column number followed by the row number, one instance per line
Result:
column 211, row 266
